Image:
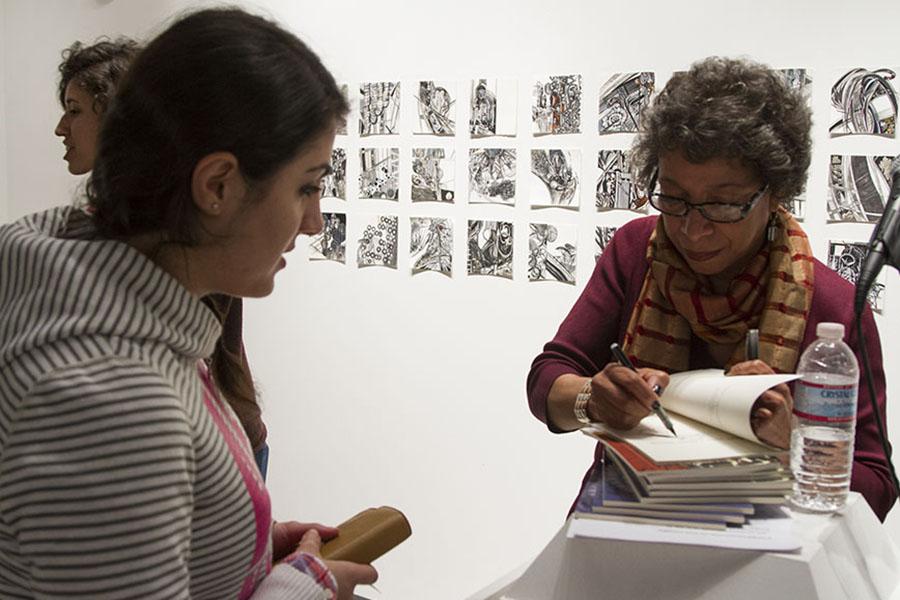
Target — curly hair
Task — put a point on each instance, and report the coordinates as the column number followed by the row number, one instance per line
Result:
column 734, row 109
column 97, row 68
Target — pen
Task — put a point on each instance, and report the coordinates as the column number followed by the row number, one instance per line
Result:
column 656, row 407
column 751, row 345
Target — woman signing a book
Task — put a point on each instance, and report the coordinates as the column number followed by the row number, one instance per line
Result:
column 723, row 148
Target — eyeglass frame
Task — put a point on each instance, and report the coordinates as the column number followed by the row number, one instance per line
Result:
column 745, row 207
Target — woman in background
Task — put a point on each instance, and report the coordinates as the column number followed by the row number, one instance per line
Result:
column 723, row 146
column 89, row 76
column 123, row 474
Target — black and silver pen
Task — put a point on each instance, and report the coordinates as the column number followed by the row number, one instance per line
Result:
column 656, row 407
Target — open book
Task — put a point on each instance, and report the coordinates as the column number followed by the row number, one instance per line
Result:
column 711, row 415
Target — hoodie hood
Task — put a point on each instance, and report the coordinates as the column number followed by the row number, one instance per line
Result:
column 59, row 282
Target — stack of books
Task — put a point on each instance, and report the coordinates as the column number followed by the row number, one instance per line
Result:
column 713, row 474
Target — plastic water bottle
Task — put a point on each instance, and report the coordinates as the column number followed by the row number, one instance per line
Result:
column 824, row 421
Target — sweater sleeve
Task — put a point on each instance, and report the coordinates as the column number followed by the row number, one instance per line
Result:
column 96, row 485
column 581, row 345
column 871, row 476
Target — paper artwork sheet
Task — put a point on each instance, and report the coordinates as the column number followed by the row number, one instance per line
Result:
column 378, row 244
column 847, row 259
column 857, row 188
column 615, row 189
column 490, row 248
column 433, row 175
column 622, row 99
column 556, row 105
column 335, row 184
column 492, row 175
column 797, row 207
column 552, row 253
column 379, row 108
column 602, row 236
column 345, row 92
column 797, row 79
column 379, row 175
column 331, row 242
column 555, row 178
column 493, row 107
column 431, row 245
column 436, row 108
column 864, row 102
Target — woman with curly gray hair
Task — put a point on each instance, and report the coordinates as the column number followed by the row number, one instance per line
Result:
column 88, row 79
column 722, row 149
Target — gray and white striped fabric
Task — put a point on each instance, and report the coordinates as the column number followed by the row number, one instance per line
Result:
column 114, row 480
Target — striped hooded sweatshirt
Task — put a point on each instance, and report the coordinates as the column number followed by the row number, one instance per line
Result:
column 121, row 473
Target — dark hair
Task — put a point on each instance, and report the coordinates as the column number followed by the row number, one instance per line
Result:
column 97, row 68
column 216, row 80
column 732, row 109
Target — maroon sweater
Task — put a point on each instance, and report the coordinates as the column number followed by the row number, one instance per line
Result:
column 601, row 314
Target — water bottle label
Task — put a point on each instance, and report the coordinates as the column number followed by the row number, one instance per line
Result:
column 826, row 403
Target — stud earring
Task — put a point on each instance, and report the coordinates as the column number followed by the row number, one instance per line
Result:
column 214, row 207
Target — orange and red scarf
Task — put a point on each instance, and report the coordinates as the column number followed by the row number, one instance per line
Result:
column 773, row 294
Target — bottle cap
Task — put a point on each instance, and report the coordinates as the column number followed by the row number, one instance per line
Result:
column 830, row 330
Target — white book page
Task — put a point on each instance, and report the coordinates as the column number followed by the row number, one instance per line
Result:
column 722, row 402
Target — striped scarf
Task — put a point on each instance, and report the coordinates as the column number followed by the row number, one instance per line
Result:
column 773, row 294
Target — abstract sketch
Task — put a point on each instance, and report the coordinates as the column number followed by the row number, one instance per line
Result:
column 797, row 79
column 622, row 99
column 431, row 245
column 342, row 124
column 490, row 248
column 865, row 102
column 552, row 253
column 493, row 105
column 379, row 175
column 492, row 175
column 436, row 102
column 555, row 178
column 331, row 242
column 378, row 244
column 433, row 175
column 556, row 107
column 857, row 188
column 379, row 108
column 335, row 184
column 796, row 206
column 602, row 237
column 847, row 259
column 615, row 189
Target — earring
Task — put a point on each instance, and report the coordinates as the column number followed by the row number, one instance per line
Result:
column 771, row 229
column 214, row 207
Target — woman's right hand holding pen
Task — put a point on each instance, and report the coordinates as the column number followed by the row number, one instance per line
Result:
column 621, row 398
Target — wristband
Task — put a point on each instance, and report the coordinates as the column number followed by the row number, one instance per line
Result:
column 581, row 403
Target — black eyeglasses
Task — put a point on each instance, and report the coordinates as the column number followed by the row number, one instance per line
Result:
column 717, row 212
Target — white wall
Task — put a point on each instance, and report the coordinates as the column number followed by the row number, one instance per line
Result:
column 381, row 388
column 3, row 177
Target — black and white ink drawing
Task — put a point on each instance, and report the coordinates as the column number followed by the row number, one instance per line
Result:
column 555, row 178
column 796, row 206
column 615, row 189
column 492, row 175
column 865, row 102
column 556, row 105
column 331, row 242
column 847, row 258
column 433, row 175
column 379, row 108
column 431, row 245
column 622, row 99
column 493, row 105
column 379, row 176
column 334, row 185
column 602, row 237
column 797, row 79
column 378, row 244
column 552, row 253
column 490, row 248
column 342, row 124
column 436, row 105
column 857, row 187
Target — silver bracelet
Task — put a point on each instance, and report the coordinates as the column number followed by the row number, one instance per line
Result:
column 581, row 404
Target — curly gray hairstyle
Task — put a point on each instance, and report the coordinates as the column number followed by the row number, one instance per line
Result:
column 734, row 109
